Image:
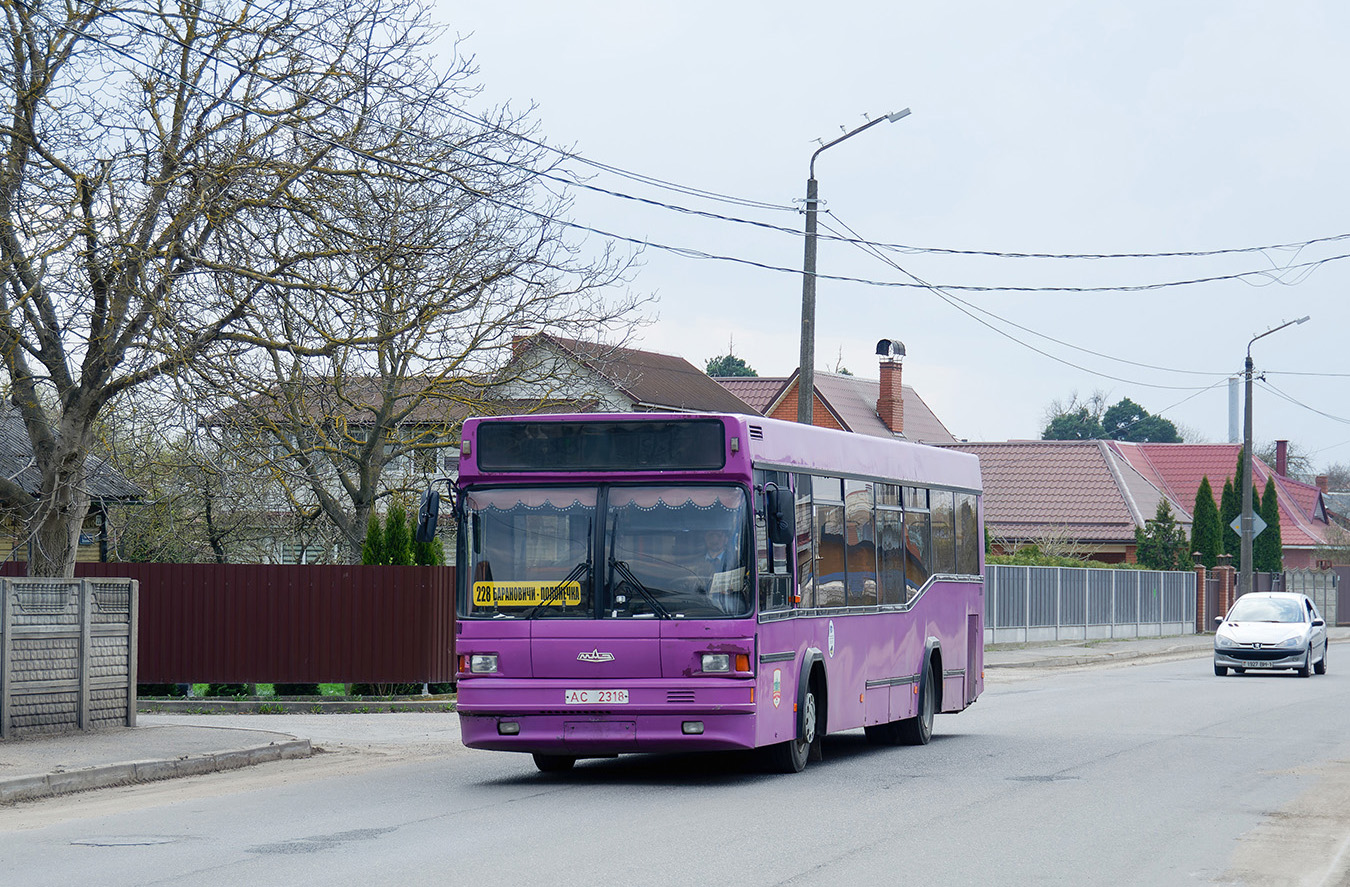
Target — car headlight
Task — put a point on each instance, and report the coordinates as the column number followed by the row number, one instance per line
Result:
column 1295, row 641
column 1223, row 640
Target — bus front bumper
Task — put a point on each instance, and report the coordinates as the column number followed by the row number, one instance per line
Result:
column 657, row 717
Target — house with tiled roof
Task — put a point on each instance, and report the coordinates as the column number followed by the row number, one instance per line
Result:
column 1079, row 494
column 883, row 407
column 1093, row 494
column 106, row 487
column 615, row 379
column 1178, row 469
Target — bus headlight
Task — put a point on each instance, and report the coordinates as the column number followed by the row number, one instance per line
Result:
column 716, row 662
column 483, row 663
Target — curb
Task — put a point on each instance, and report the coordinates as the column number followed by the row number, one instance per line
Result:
column 292, row 706
column 27, row 788
column 1104, row 658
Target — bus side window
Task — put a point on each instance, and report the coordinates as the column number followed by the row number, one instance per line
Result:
column 918, row 551
column 968, row 540
column 806, row 553
column 775, row 579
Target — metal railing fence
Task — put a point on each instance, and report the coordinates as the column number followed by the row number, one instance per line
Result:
column 1032, row 604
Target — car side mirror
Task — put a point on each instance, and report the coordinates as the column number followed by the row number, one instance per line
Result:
column 1317, row 622
column 1218, row 620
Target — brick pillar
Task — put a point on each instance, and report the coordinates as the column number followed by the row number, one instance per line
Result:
column 1227, row 589
column 1202, row 616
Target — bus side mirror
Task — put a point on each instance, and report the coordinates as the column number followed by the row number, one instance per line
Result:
column 779, row 515
column 428, row 513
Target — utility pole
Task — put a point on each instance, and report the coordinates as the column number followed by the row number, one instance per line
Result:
column 806, row 373
column 1246, row 521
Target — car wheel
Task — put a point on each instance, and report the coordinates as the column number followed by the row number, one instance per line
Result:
column 1321, row 667
column 1221, row 670
column 1305, row 670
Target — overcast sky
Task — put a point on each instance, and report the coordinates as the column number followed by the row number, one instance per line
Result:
column 1037, row 127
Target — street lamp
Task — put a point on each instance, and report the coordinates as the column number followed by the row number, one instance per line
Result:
column 806, row 376
column 1247, row 521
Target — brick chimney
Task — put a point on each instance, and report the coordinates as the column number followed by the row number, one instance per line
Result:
column 1324, row 483
column 1281, row 457
column 890, row 400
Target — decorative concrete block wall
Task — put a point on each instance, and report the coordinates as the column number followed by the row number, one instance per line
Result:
column 67, row 655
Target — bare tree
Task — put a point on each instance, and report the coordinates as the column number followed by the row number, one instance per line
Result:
column 196, row 507
column 418, row 284
column 1338, row 476
column 1298, row 462
column 165, row 193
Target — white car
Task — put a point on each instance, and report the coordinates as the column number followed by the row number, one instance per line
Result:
column 1271, row 629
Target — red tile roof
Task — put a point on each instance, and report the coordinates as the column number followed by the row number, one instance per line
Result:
column 853, row 402
column 1080, row 488
column 758, row 391
column 1178, row 469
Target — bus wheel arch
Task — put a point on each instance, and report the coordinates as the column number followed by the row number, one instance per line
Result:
column 808, row 719
column 918, row 730
column 933, row 650
column 819, row 687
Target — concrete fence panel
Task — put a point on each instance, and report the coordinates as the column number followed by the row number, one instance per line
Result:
column 67, row 655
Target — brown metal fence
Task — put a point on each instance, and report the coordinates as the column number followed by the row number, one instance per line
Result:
column 280, row 623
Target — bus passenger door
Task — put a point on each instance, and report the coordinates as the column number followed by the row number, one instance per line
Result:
column 974, row 656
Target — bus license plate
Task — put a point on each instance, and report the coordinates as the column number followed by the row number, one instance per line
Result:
column 596, row 697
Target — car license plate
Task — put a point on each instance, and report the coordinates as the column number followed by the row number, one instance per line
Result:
column 596, row 697
column 1260, row 664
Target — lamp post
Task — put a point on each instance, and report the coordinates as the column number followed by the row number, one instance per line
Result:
column 1246, row 521
column 806, row 376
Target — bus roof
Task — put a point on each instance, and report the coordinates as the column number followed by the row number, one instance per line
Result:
column 774, row 443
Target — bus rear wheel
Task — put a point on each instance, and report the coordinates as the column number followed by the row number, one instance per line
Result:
column 791, row 756
column 919, row 729
column 554, row 763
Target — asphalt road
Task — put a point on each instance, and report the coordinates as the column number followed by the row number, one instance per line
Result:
column 1154, row 774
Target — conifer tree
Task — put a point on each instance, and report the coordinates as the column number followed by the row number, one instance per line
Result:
column 1161, row 543
column 1206, row 526
column 397, row 538
column 1268, row 548
column 1230, row 507
column 372, row 551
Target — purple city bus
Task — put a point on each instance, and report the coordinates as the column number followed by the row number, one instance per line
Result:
column 657, row 582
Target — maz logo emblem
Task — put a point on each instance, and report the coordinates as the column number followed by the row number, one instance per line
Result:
column 595, row 656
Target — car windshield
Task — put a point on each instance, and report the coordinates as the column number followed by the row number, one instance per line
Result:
column 1265, row 609
column 667, row 552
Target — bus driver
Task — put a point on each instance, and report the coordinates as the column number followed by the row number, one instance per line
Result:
column 719, row 574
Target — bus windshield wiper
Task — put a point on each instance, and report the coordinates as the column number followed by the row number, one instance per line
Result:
column 628, row 576
column 576, row 573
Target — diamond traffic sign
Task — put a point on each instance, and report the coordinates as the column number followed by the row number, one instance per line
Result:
column 1257, row 525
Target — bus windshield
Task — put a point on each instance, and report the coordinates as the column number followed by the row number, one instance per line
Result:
column 614, row 552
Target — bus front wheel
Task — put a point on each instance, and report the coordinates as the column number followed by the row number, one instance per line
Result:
column 791, row 756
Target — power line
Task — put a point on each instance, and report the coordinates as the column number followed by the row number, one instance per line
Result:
column 969, row 310
column 463, row 114
column 433, row 174
column 1298, row 403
